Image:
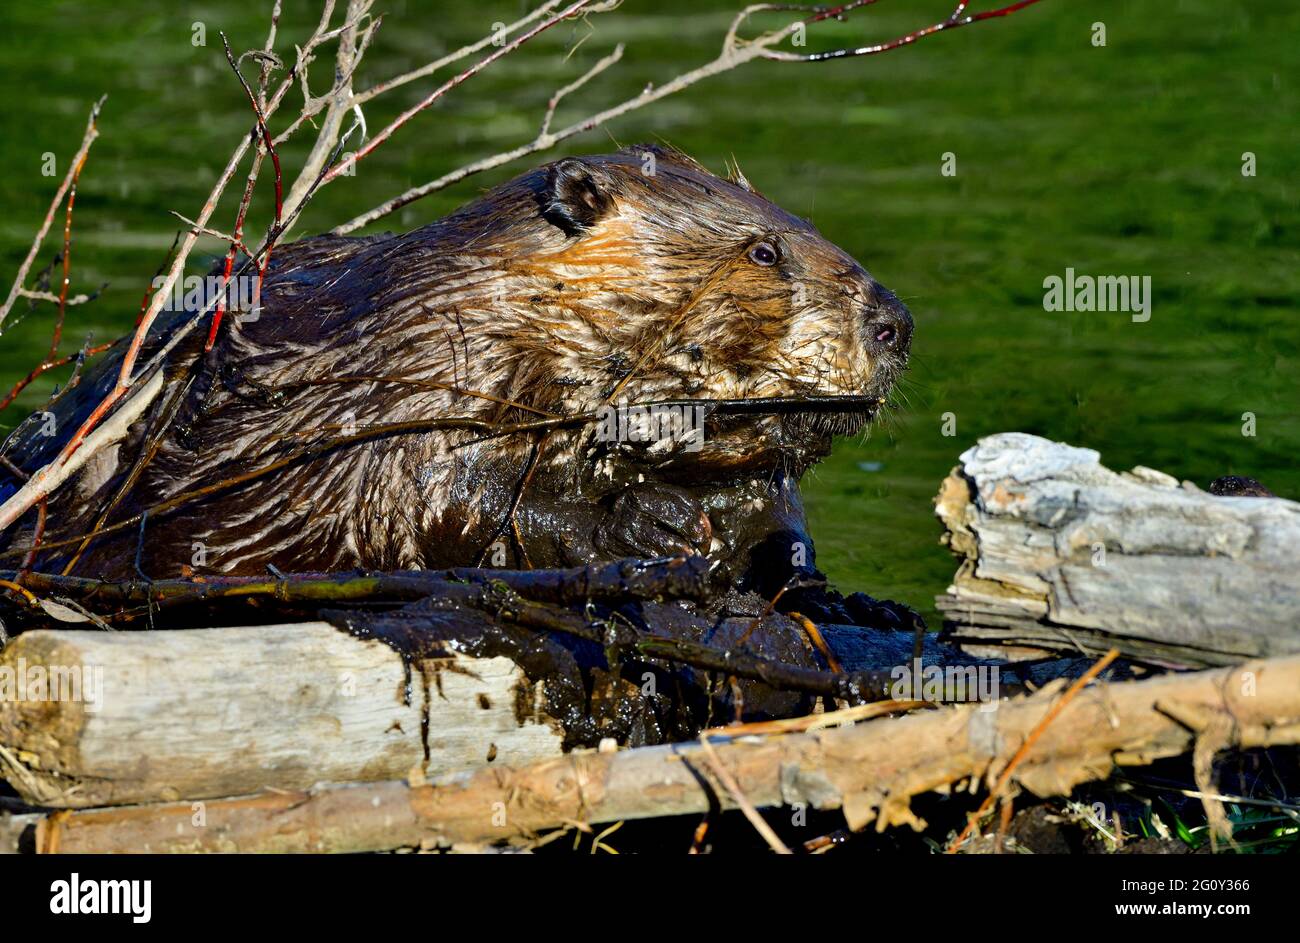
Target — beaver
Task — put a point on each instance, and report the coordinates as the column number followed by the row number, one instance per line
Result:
column 629, row 278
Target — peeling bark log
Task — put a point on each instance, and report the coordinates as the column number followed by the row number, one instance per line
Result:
column 212, row 712
column 1059, row 553
column 870, row 770
column 202, row 713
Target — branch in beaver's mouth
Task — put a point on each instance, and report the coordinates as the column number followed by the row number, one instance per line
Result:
column 751, row 436
column 817, row 424
column 801, row 416
column 785, row 405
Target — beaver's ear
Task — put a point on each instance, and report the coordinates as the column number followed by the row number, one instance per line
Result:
column 576, row 196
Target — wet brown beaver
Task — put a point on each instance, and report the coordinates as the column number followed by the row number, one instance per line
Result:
column 634, row 277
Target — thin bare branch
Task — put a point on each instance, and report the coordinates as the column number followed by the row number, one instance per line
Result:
column 572, row 10
column 55, row 299
column 954, row 21
column 74, row 168
column 590, row 74
column 731, row 57
column 337, row 102
column 735, row 53
column 432, row 67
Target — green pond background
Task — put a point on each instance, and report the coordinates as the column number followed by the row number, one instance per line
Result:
column 1121, row 160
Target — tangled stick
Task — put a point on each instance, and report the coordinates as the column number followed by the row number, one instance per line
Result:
column 543, row 601
column 996, row 792
column 43, row 481
column 268, row 147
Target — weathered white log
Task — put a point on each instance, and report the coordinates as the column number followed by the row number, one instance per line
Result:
column 870, row 770
column 1062, row 554
column 214, row 712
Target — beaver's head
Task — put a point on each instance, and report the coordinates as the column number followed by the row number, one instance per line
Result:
column 680, row 284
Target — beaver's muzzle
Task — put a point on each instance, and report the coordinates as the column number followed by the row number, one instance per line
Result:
column 888, row 324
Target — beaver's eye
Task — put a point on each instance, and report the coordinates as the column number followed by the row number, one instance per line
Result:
column 763, row 254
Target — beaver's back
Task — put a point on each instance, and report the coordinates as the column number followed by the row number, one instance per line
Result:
column 332, row 308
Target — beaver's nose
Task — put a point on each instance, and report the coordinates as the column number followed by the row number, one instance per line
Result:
column 888, row 323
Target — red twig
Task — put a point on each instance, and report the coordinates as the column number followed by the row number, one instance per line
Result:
column 253, row 100
column 51, row 365
column 954, row 20
column 52, row 359
column 37, row 536
column 67, row 260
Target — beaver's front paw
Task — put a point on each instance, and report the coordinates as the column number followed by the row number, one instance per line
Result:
column 823, row 604
column 1239, row 486
column 654, row 521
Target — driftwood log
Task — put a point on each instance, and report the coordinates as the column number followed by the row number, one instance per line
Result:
column 870, row 770
column 1059, row 553
column 201, row 713
column 212, row 712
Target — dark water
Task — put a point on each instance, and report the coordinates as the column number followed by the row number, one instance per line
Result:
column 1116, row 160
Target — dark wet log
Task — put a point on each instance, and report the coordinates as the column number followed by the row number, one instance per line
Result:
column 856, row 686
column 870, row 770
column 1060, row 554
column 677, row 578
column 132, row 600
